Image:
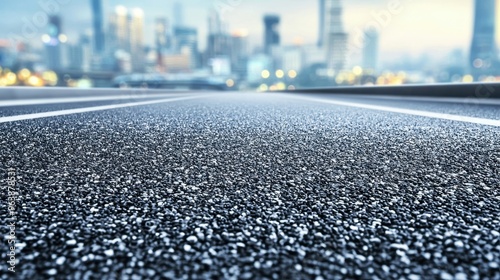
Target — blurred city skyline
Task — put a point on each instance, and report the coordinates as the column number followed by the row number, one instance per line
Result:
column 274, row 44
column 432, row 27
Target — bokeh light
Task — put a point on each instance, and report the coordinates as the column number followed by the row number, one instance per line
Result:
column 230, row 83
column 23, row 74
column 280, row 73
column 50, row 77
column 263, row 87
column 265, row 74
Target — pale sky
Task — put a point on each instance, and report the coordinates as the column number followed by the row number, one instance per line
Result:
column 436, row 26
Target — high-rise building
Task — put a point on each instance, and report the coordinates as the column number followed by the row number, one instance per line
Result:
column 79, row 55
column 161, row 33
column 483, row 53
column 7, row 56
column 218, row 41
column 335, row 37
column 186, row 44
column 136, row 31
column 119, row 30
column 178, row 14
column 370, row 49
column 53, row 40
column 271, row 33
column 321, row 27
column 98, row 26
column 239, row 52
column 161, row 39
column 126, row 34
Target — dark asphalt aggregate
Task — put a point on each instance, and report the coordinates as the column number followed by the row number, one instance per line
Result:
column 253, row 187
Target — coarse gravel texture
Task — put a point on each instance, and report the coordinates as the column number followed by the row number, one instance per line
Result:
column 253, row 186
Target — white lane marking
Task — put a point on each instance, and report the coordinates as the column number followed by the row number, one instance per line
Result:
column 45, row 101
column 91, row 109
column 402, row 111
column 462, row 101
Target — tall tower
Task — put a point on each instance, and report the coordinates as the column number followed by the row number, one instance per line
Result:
column 483, row 58
column 239, row 52
column 186, row 44
column 370, row 49
column 219, row 40
column 126, row 29
column 53, row 43
column 271, row 36
column 136, row 31
column 178, row 14
column 161, row 39
column 161, row 33
column 118, row 30
column 321, row 27
column 98, row 26
column 335, row 37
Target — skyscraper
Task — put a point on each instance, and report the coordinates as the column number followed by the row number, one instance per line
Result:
column 186, row 44
column 219, row 40
column 161, row 33
column 271, row 33
column 483, row 58
column 98, row 26
column 370, row 49
column 136, row 31
column 239, row 52
column 53, row 40
column 126, row 33
column 178, row 14
column 334, row 35
column 79, row 55
column 161, row 38
column 118, row 30
column 321, row 27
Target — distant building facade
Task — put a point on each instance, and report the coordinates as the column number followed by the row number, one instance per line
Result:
column 53, row 40
column 272, row 36
column 126, row 35
column 371, row 49
column 483, row 52
column 98, row 26
column 334, row 35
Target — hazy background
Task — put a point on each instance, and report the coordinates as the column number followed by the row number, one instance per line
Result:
column 423, row 26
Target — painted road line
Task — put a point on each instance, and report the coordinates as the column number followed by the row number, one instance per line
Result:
column 92, row 109
column 455, row 100
column 46, row 101
column 401, row 111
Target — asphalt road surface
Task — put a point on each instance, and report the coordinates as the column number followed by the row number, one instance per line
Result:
column 250, row 186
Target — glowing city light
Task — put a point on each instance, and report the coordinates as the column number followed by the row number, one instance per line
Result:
column 11, row 79
column 357, row 71
column 280, row 74
column 280, row 86
column 263, row 87
column 230, row 83
column 292, row 74
column 50, row 77
column 35, row 81
column 23, row 74
column 468, row 79
column 63, row 38
column 265, row 74
column 46, row 38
